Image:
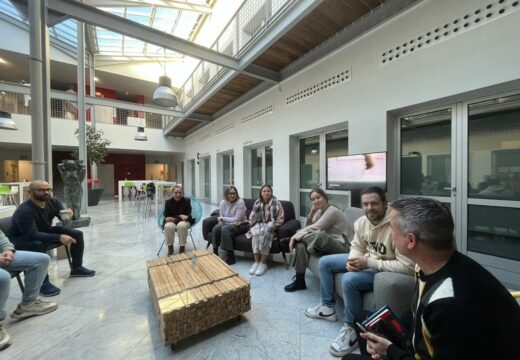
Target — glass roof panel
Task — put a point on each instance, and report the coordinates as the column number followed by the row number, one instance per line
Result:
column 66, row 31
column 7, row 8
column 186, row 24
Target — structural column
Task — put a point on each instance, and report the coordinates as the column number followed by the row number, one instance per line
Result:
column 37, row 93
column 46, row 90
column 81, row 109
column 92, row 75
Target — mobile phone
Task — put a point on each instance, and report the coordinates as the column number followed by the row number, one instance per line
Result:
column 361, row 328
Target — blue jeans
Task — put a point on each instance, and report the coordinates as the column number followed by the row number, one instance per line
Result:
column 35, row 266
column 353, row 284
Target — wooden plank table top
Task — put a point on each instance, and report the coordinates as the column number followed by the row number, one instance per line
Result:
column 194, row 291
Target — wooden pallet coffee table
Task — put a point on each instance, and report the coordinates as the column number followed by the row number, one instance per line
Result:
column 190, row 296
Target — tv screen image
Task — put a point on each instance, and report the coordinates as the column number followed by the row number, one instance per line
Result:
column 356, row 172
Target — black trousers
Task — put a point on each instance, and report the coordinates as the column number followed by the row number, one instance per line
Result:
column 223, row 234
column 76, row 250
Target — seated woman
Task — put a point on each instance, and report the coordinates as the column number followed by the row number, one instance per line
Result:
column 177, row 217
column 266, row 216
column 327, row 231
column 231, row 221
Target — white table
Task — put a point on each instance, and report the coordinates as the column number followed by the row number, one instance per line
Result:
column 139, row 183
column 21, row 189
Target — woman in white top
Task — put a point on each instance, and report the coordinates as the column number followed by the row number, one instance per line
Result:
column 231, row 221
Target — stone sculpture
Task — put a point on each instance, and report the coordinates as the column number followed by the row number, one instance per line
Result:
column 72, row 173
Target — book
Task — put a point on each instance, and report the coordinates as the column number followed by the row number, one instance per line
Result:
column 384, row 322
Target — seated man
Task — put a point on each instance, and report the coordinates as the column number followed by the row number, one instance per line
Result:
column 460, row 311
column 35, row 267
column 372, row 250
column 31, row 230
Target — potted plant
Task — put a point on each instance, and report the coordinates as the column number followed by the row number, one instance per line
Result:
column 97, row 149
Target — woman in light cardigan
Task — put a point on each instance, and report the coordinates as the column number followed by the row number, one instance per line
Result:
column 267, row 215
column 231, row 221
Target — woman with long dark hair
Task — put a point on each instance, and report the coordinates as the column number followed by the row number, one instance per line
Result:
column 267, row 215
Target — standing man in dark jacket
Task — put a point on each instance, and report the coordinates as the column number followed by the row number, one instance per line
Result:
column 460, row 310
column 32, row 230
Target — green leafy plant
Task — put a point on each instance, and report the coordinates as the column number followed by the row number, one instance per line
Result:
column 97, row 150
column 97, row 145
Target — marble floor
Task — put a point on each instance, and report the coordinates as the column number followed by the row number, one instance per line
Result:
column 110, row 316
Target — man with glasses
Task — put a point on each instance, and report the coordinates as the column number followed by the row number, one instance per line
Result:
column 31, row 230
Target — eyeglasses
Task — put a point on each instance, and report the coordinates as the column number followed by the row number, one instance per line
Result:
column 232, row 193
column 44, row 190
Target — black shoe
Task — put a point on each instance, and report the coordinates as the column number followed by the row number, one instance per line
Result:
column 215, row 250
column 230, row 257
column 47, row 289
column 297, row 284
column 82, row 271
column 284, row 245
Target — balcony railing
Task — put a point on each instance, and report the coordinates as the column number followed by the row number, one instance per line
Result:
column 251, row 19
column 62, row 107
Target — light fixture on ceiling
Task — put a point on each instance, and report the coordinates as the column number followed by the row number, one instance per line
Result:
column 2, row 61
column 140, row 135
column 163, row 95
column 314, row 151
column 6, row 122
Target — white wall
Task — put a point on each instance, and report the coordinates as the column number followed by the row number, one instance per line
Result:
column 120, row 136
column 481, row 57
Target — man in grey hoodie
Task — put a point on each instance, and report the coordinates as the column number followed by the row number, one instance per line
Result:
column 372, row 250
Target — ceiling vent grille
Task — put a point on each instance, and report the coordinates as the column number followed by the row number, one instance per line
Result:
column 325, row 84
column 259, row 113
column 487, row 12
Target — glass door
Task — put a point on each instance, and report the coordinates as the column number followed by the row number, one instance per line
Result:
column 468, row 156
column 426, row 155
column 493, row 181
column 314, row 153
column 206, row 177
column 228, row 171
column 192, row 176
column 261, row 168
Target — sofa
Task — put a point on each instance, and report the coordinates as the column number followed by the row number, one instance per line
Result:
column 241, row 243
column 393, row 289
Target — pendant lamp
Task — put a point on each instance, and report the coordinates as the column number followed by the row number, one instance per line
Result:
column 6, row 122
column 140, row 135
column 163, row 95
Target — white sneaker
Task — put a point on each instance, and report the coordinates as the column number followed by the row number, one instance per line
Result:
column 345, row 342
column 262, row 268
column 37, row 307
column 5, row 339
column 252, row 271
column 321, row 311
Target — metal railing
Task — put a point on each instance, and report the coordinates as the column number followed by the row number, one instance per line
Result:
column 250, row 20
column 62, row 107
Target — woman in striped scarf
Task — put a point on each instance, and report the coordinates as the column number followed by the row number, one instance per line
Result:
column 266, row 216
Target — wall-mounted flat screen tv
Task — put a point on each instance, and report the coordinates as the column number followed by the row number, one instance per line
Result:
column 356, row 172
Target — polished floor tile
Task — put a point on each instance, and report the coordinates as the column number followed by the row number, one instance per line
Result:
column 110, row 316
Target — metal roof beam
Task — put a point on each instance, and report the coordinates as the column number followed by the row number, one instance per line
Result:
column 135, row 30
column 201, row 117
column 180, row 5
column 262, row 73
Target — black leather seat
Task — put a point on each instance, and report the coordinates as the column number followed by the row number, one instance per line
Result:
column 242, row 243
